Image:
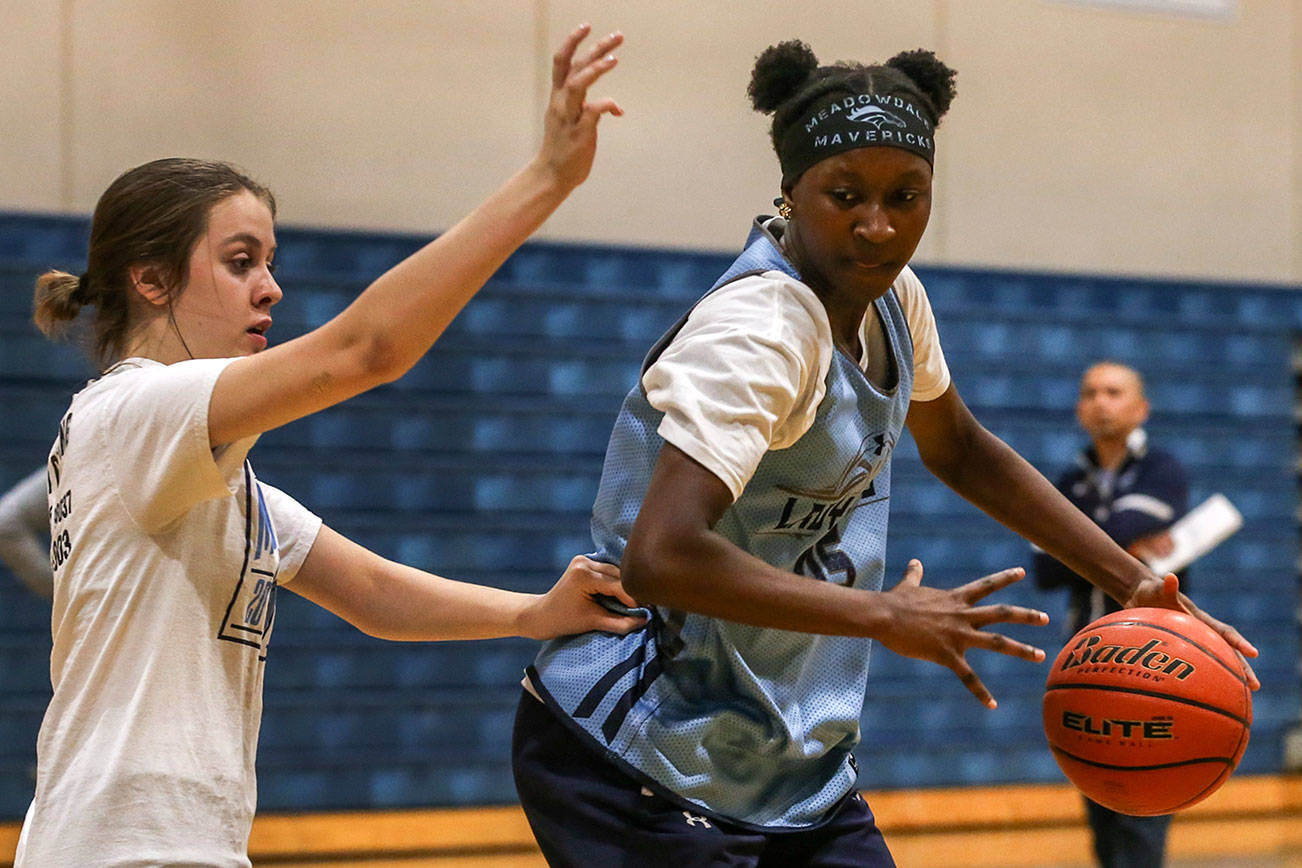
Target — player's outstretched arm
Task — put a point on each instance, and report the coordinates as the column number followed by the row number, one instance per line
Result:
column 673, row 544
column 987, row 472
column 393, row 601
column 394, row 322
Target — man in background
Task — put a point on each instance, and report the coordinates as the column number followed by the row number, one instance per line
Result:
column 1134, row 492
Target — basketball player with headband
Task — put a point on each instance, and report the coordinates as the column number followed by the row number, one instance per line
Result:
column 745, row 493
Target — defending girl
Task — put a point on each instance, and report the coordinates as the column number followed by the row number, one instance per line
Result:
column 167, row 549
column 745, row 491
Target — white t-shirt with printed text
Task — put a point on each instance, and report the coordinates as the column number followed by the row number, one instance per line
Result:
column 747, row 371
column 166, row 556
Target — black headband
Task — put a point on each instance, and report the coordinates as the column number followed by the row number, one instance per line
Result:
column 843, row 121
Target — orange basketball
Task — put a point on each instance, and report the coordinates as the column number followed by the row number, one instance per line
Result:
column 1147, row 711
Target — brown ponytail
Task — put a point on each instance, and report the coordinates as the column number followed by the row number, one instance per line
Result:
column 54, row 303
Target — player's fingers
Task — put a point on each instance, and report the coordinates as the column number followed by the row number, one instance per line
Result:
column 616, row 625
column 610, row 586
column 912, row 573
column 987, row 585
column 1004, row 645
column 599, row 567
column 1227, row 632
column 973, row 683
column 1006, row 614
column 605, row 45
column 616, row 590
column 576, row 88
column 605, row 106
column 619, row 624
column 586, row 571
column 1237, row 640
column 1171, row 589
column 1254, row 683
column 613, row 588
column 1241, row 646
column 561, row 59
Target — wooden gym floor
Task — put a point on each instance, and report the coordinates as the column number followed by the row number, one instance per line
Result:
column 1253, row 822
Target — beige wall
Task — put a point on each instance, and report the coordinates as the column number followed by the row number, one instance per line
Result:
column 1083, row 138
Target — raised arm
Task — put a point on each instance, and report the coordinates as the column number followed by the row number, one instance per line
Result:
column 387, row 329
column 987, row 472
column 393, row 601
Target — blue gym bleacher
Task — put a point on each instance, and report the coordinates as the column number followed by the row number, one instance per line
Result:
column 483, row 461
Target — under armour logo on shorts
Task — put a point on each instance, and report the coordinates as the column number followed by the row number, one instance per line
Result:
column 692, row 820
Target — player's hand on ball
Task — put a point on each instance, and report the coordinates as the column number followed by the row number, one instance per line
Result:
column 940, row 625
column 569, row 607
column 1164, row 593
column 570, row 126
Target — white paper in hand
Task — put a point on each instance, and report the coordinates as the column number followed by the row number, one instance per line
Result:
column 1203, row 528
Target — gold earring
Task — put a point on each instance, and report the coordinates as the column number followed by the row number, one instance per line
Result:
column 784, row 211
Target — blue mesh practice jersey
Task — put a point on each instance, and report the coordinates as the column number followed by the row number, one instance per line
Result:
column 754, row 725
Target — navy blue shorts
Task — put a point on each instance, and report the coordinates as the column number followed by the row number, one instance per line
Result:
column 585, row 812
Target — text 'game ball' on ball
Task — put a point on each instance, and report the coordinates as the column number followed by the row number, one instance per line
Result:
column 1147, row 711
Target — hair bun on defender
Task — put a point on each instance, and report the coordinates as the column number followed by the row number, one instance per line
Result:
column 933, row 77
column 780, row 71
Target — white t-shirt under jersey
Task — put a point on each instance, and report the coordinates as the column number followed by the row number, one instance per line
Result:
column 747, row 371
column 166, row 556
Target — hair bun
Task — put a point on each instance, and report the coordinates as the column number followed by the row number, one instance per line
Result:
column 779, row 72
column 930, row 74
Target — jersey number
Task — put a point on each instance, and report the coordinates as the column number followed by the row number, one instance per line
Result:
column 825, row 559
column 261, row 594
